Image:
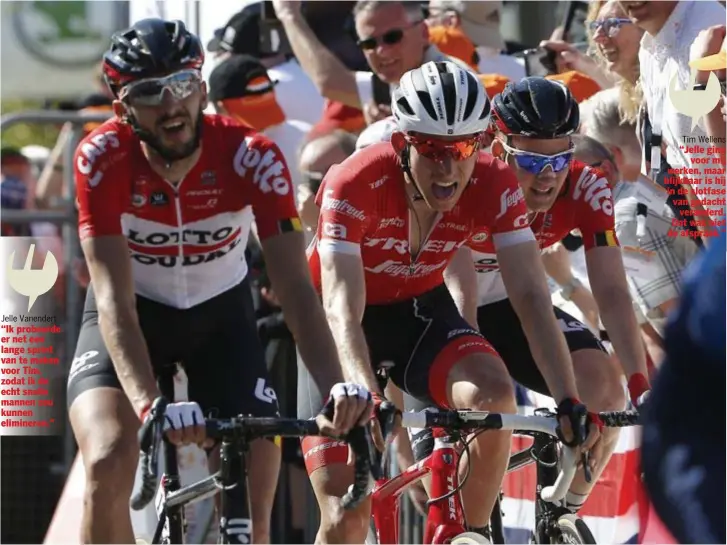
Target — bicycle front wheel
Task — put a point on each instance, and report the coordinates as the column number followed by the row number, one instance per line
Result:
column 572, row 529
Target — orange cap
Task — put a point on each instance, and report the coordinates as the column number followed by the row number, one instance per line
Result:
column 580, row 85
column 453, row 42
column 494, row 83
column 92, row 126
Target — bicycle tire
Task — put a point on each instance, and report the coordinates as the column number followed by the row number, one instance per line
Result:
column 572, row 529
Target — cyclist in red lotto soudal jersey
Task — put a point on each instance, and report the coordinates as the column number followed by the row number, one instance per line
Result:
column 393, row 218
column 532, row 121
column 166, row 199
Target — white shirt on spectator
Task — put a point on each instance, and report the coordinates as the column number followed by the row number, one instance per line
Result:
column 662, row 56
column 289, row 136
column 498, row 63
column 296, row 94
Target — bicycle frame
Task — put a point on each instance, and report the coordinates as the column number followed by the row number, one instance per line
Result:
column 443, row 522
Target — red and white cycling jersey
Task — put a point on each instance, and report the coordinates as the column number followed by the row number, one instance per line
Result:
column 364, row 211
column 585, row 204
column 187, row 242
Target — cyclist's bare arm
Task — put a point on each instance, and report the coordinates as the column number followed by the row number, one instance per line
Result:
column 332, row 78
column 461, row 280
column 290, row 278
column 344, row 298
column 110, row 268
column 524, row 278
column 610, row 288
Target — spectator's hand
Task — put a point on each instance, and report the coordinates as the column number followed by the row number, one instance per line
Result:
column 375, row 112
column 708, row 42
column 286, row 8
column 307, row 209
column 568, row 57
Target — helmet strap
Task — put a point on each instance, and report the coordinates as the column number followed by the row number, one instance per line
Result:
column 405, row 167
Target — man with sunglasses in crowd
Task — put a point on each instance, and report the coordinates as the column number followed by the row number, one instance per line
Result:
column 532, row 122
column 393, row 217
column 166, row 196
column 393, row 37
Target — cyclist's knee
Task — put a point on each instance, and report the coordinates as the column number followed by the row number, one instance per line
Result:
column 599, row 380
column 341, row 526
column 481, row 382
column 110, row 464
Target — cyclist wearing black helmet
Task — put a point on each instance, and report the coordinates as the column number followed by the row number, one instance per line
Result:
column 166, row 199
column 532, row 124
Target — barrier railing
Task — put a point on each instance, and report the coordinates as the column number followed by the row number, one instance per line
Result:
column 66, row 218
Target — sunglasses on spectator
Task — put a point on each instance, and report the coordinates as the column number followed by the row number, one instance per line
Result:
column 392, row 37
column 610, row 26
column 439, row 150
column 150, row 91
column 535, row 163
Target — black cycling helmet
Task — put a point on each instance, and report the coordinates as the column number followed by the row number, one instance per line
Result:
column 151, row 47
column 537, row 108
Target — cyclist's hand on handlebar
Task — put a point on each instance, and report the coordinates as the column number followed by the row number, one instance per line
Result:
column 579, row 428
column 350, row 405
column 184, row 424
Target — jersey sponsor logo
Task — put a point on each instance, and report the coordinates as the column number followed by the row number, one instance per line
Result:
column 521, row 221
column 334, row 230
column 208, row 177
column 479, row 237
column 195, row 237
column 170, row 261
column 159, row 198
column 455, row 226
column 391, row 222
column 263, row 392
column 89, row 152
column 138, row 200
column 508, row 199
column 397, row 268
column 342, row 206
column 218, row 244
column 84, row 362
column 267, row 168
column 379, row 182
column 486, row 264
column 402, row 246
column 595, row 190
column 203, row 192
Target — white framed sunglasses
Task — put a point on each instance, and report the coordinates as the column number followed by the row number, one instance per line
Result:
column 150, row 91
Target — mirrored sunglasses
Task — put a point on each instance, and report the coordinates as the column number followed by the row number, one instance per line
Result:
column 610, row 26
column 535, row 163
column 150, row 91
column 439, row 150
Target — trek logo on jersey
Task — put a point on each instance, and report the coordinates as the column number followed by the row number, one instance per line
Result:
column 342, row 206
column 595, row 190
column 397, row 268
column 508, row 199
column 334, row 230
column 379, row 182
column 402, row 246
column 90, row 150
column 266, row 165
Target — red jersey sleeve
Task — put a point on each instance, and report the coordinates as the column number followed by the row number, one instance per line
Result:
column 500, row 206
column 266, row 182
column 342, row 200
column 102, row 176
column 594, row 207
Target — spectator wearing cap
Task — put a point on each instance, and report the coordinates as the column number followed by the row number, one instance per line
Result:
column 480, row 23
column 241, row 87
column 709, row 56
column 297, row 97
column 670, row 27
column 393, row 37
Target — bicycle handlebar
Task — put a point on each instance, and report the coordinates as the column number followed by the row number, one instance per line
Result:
column 245, row 429
column 483, row 420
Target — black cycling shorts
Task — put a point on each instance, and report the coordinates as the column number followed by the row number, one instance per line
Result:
column 500, row 325
column 216, row 342
column 414, row 343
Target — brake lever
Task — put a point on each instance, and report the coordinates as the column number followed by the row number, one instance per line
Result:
column 585, row 457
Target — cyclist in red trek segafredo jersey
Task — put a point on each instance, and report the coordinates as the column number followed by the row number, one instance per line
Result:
column 167, row 196
column 388, row 259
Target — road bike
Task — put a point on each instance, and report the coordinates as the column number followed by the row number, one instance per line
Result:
column 235, row 435
column 445, row 522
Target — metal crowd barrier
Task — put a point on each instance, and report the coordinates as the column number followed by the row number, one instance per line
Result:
column 67, row 220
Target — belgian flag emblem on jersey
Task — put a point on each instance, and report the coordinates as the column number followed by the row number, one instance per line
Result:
column 289, row 225
column 606, row 238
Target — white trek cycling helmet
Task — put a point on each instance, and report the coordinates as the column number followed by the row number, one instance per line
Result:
column 442, row 99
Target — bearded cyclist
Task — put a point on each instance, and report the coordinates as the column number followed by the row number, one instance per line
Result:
column 392, row 218
column 532, row 121
column 166, row 198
